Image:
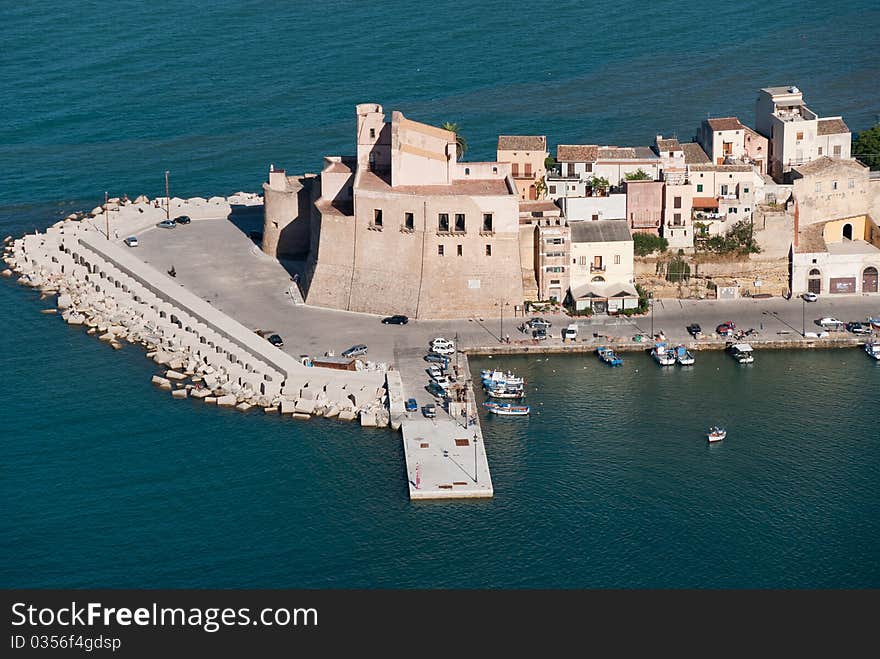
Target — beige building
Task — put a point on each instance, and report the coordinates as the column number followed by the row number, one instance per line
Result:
column 602, row 272
column 839, row 256
column 526, row 155
column 727, row 141
column 552, row 249
column 402, row 227
column 722, row 196
column 796, row 134
column 534, row 216
column 827, row 188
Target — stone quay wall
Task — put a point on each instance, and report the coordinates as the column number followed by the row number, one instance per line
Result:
column 203, row 353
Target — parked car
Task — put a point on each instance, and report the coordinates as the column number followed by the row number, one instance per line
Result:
column 540, row 334
column 355, row 351
column 570, row 332
column 536, row 323
column 182, row 219
column 167, row 224
column 727, row 328
column 434, row 371
column 810, row 297
column 397, row 319
column 695, row 330
column 429, row 411
column 275, row 340
column 831, row 323
column 434, row 358
column 435, row 389
column 131, row 241
column 411, row 405
column 440, row 341
column 443, row 349
column 442, row 380
column 858, row 328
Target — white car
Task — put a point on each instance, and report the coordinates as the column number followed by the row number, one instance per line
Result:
column 829, row 322
column 443, row 349
column 810, row 297
column 440, row 341
column 131, row 241
column 443, row 381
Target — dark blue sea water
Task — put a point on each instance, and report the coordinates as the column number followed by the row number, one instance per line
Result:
column 106, row 481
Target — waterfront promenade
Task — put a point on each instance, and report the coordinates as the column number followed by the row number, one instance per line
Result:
column 221, row 273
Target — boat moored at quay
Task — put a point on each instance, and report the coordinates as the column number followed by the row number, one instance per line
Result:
column 872, row 348
column 741, row 352
column 607, row 355
column 662, row 354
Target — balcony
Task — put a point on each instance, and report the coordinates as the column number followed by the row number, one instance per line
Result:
column 597, row 268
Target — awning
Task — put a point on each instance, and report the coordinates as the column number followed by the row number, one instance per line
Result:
column 604, row 291
column 705, row 202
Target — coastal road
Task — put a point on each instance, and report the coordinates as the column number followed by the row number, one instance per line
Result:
column 216, row 260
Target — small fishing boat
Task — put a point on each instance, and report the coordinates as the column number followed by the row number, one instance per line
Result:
column 607, row 355
column 489, row 376
column 874, row 322
column 741, row 352
column 505, row 392
column 684, row 356
column 506, row 409
column 716, row 434
column 873, row 349
column 662, row 355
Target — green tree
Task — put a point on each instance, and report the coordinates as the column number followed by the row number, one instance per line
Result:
column 599, row 183
column 549, row 162
column 648, row 243
column 461, row 145
column 540, row 188
column 866, row 147
column 638, row 175
column 740, row 239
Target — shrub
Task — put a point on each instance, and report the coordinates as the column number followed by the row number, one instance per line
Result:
column 648, row 243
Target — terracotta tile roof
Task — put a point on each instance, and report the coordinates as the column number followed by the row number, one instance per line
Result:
column 670, row 144
column 705, row 202
column 694, row 154
column 831, row 127
column 826, row 162
column 542, row 206
column 577, row 152
column 522, row 143
column 626, row 153
column 812, row 239
column 724, row 123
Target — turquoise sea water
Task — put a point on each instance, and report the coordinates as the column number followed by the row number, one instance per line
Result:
column 108, row 482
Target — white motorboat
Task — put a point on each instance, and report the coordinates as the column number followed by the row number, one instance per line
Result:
column 716, row 434
column 741, row 352
column 684, row 356
column 496, row 377
column 873, row 349
column 662, row 354
column 506, row 409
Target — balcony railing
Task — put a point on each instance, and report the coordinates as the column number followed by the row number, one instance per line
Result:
column 597, row 268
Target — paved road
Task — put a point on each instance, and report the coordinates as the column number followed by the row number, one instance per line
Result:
column 216, row 260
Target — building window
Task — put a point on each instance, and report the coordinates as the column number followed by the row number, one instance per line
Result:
column 745, row 191
column 467, row 171
column 514, row 169
column 676, row 202
column 676, row 220
column 494, row 170
column 409, row 220
column 834, row 185
column 724, row 189
column 818, row 186
column 488, row 250
column 554, row 281
column 377, row 217
column 583, row 260
column 851, row 183
column 487, row 221
column 459, row 250
column 439, row 250
column 372, row 133
column 699, row 187
column 459, row 222
column 595, row 217
column 820, row 150
column 800, row 135
column 617, row 259
column 443, row 222
column 556, row 268
column 837, row 151
column 597, row 279
column 528, row 171
column 552, row 189
column 732, row 210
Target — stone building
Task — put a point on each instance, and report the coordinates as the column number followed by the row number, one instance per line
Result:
column 602, row 269
column 727, row 141
column 840, row 256
column 828, row 188
column 402, row 227
column 526, row 155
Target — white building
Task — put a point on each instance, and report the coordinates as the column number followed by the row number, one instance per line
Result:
column 602, row 276
column 839, row 256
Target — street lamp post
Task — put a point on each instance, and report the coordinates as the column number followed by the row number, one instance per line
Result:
column 476, row 474
column 803, row 317
column 167, row 198
column 651, row 301
column 501, row 306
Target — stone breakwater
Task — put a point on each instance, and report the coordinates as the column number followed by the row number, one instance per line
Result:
column 203, row 353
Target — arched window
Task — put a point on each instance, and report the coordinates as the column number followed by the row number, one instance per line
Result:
column 598, row 279
column 815, row 273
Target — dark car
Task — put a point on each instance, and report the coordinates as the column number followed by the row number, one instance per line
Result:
column 275, row 340
column 355, row 351
column 397, row 319
column 538, row 323
column 429, row 410
column 694, row 329
column 540, row 334
column 182, row 219
column 858, row 328
column 437, row 359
